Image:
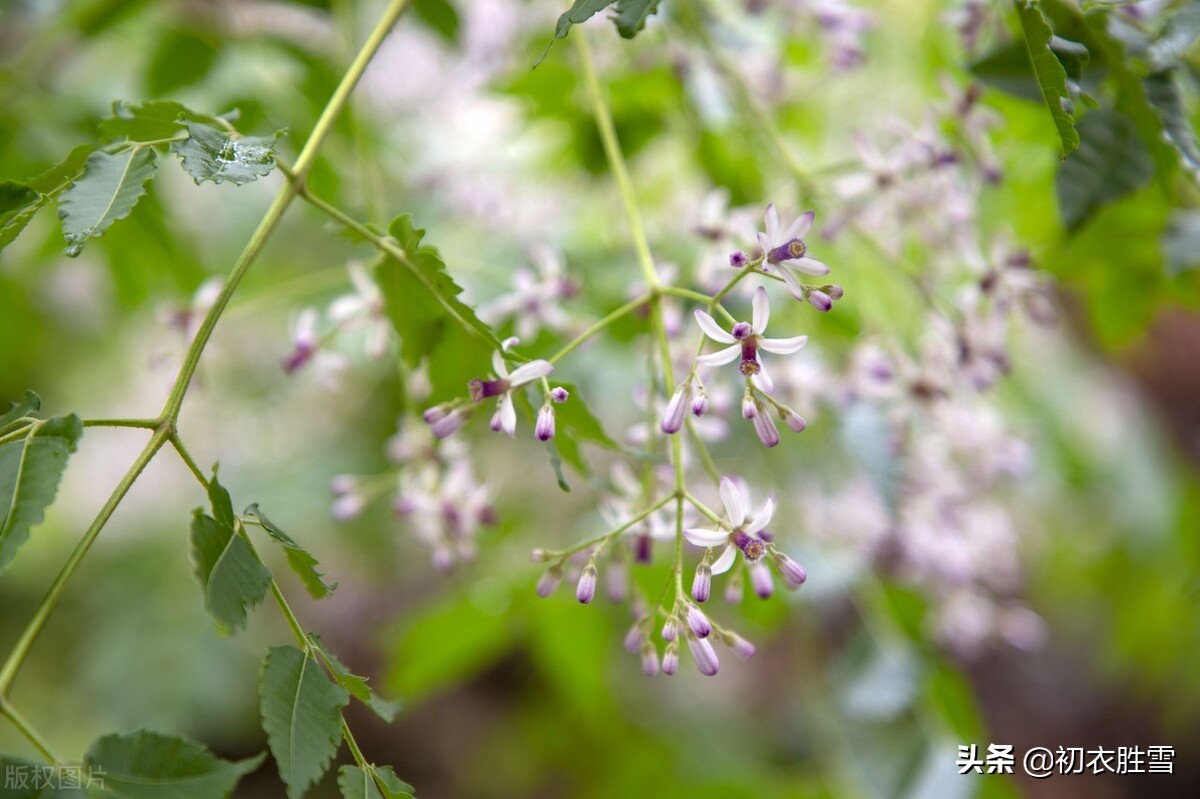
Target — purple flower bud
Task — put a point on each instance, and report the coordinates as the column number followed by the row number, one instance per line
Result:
column 741, row 331
column 585, row 591
column 760, row 578
column 616, row 584
column 704, row 655
column 549, row 582
column 740, row 646
column 636, row 636
column 702, row 583
column 559, row 394
column 835, row 291
column 448, row 424
column 641, row 548
column 738, row 259
column 672, row 421
column 299, row 356
column 699, row 623
column 544, row 429
column 348, row 506
column 670, row 630
column 733, row 589
column 792, row 572
column 670, row 661
column 700, row 404
column 819, row 300
column 649, row 659
column 768, row 433
column 436, row 413
column 342, row 484
column 749, row 407
column 793, row 420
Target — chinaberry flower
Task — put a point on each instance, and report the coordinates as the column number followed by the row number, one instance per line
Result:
column 502, row 387
column 785, row 249
column 746, row 340
column 742, row 533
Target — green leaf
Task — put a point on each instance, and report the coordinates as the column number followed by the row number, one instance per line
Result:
column 19, row 410
column 355, row 685
column 232, row 577
column 107, row 191
column 149, row 121
column 1111, row 163
column 575, row 422
column 1049, row 72
column 302, row 715
column 211, row 154
column 219, row 499
column 31, row 466
column 24, row 779
column 440, row 15
column 580, row 11
column 632, row 15
column 1163, row 93
column 20, row 201
column 422, row 302
column 181, row 58
column 301, row 560
column 355, row 783
column 148, row 765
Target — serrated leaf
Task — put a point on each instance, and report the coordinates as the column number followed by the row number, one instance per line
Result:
column 107, row 191
column 631, row 16
column 422, row 302
column 149, row 765
column 31, row 404
column 232, row 578
column 211, row 154
column 302, row 716
column 219, row 499
column 440, row 15
column 355, row 685
column 23, row 200
column 150, row 121
column 579, row 12
column 1111, row 162
column 1163, row 93
column 24, row 779
column 1048, row 71
column 355, row 783
column 299, row 559
column 31, row 467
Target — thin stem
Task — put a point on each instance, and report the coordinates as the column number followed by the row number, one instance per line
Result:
column 190, row 462
column 705, row 456
column 35, row 625
column 144, row 424
column 613, row 316
column 287, row 193
column 746, row 270
column 166, row 429
column 566, row 553
column 700, row 506
column 708, row 301
column 30, row 734
column 612, row 150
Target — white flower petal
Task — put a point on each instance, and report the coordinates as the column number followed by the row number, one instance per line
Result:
column 762, row 519
column 508, row 415
column 764, row 242
column 783, row 346
column 721, row 357
column 809, row 266
column 712, row 329
column 734, row 501
column 723, row 563
column 528, row 372
column 772, row 220
column 498, row 365
column 798, row 229
column 793, row 283
column 706, row 538
column 761, row 304
column 763, row 380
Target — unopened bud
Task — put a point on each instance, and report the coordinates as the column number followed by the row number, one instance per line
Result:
column 700, row 403
column 834, row 291
column 704, row 655
column 819, row 300
column 698, row 622
column 670, row 630
column 649, row 659
column 760, row 578
column 793, row 420
column 670, row 661
column 768, row 433
column 559, row 394
column 740, row 646
column 738, row 259
column 585, row 591
column 672, row 421
column 549, row 582
column 702, row 583
column 792, row 572
column 544, row 429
